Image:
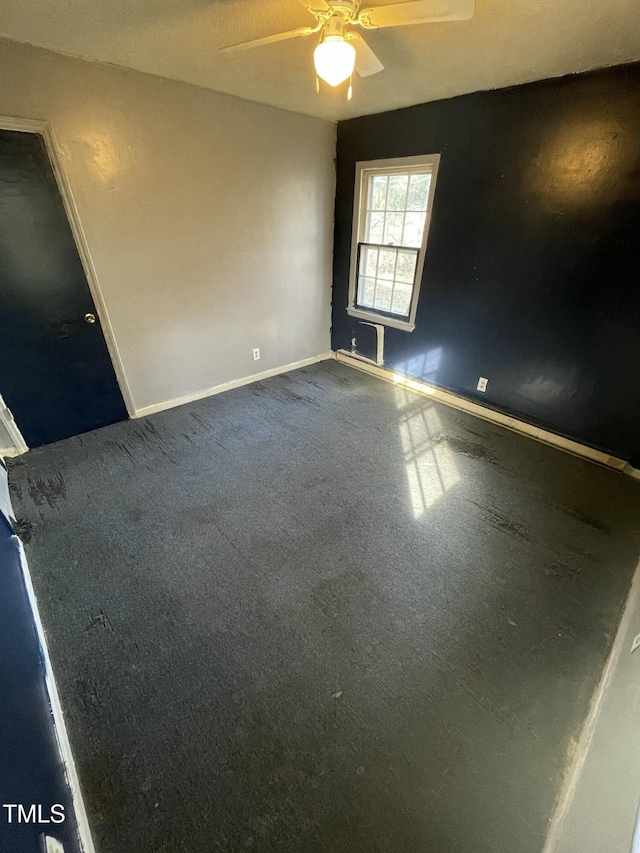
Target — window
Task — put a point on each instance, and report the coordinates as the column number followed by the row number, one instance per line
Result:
column 392, row 209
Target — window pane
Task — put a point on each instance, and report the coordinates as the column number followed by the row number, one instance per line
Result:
column 366, row 288
column 397, row 192
column 386, row 279
column 393, row 228
column 406, row 267
column 418, row 192
column 386, row 264
column 401, row 298
column 413, row 227
column 383, row 295
column 368, row 261
column 377, row 192
column 374, row 228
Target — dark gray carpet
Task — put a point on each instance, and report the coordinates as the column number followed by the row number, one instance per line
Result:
column 320, row 613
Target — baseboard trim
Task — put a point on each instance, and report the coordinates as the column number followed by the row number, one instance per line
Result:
column 603, row 718
column 12, row 451
column 464, row 405
column 14, row 435
column 228, row 386
column 64, row 746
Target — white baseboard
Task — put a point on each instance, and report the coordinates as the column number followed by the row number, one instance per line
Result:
column 62, row 737
column 227, row 386
column 456, row 402
column 598, row 806
column 12, row 451
column 14, row 435
column 64, row 746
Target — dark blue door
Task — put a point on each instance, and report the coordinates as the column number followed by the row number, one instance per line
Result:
column 56, row 374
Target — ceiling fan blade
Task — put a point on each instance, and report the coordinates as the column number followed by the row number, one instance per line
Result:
column 291, row 34
column 316, row 5
column 367, row 63
column 417, row 12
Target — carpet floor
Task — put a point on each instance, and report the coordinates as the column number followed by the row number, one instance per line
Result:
column 323, row 613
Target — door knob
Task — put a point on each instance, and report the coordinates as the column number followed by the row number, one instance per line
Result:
column 89, row 318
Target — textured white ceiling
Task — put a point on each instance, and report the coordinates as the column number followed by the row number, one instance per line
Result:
column 508, row 42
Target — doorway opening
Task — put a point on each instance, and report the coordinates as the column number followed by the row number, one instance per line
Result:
column 58, row 374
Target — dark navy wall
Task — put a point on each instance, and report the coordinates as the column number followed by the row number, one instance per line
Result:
column 31, row 769
column 532, row 272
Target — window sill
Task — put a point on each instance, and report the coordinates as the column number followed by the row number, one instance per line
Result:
column 403, row 325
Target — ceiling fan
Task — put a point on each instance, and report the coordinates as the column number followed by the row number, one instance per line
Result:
column 341, row 49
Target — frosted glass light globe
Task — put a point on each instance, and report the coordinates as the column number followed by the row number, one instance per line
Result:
column 334, row 59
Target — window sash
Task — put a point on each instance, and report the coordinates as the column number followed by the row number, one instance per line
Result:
column 380, row 281
column 368, row 198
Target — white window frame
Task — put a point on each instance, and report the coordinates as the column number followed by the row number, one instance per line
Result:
column 364, row 171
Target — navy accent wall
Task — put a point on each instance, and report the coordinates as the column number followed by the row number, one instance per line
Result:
column 532, row 271
column 31, row 770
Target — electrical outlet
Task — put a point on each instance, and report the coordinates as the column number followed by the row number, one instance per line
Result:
column 256, row 354
column 482, row 384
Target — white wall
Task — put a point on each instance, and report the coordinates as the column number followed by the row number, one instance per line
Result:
column 209, row 219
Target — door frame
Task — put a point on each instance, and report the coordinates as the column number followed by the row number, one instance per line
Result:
column 44, row 129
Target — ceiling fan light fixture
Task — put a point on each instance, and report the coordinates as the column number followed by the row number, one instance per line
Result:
column 334, row 59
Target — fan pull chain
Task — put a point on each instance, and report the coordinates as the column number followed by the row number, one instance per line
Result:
column 317, row 85
column 350, row 89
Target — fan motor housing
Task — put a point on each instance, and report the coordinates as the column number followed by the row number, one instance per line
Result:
column 346, row 8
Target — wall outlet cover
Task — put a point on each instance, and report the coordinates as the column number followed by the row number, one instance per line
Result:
column 482, row 384
column 256, row 354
